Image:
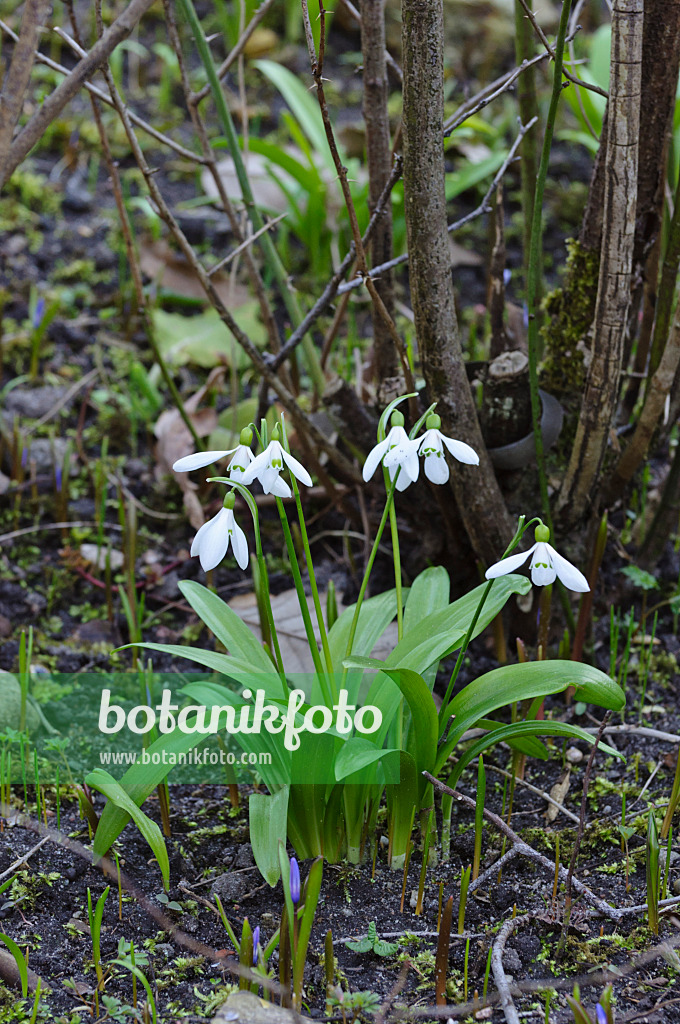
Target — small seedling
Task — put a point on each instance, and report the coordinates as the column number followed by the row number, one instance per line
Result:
column 652, row 875
column 373, row 944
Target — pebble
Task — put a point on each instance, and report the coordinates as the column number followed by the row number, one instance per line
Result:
column 574, row 755
column 33, row 402
column 230, row 887
column 5, row 626
column 676, row 887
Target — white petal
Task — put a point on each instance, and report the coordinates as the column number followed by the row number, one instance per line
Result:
column 199, row 460
column 296, row 468
column 542, row 572
column 240, row 462
column 410, row 462
column 255, row 468
column 430, row 439
column 436, row 469
column 397, row 435
column 240, row 545
column 373, row 458
column 280, row 488
column 507, row 565
column 403, row 480
column 567, row 573
column 196, row 545
column 268, row 478
column 461, row 451
column 215, row 541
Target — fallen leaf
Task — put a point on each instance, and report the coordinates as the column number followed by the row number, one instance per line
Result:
column 173, row 274
column 204, row 340
column 558, row 793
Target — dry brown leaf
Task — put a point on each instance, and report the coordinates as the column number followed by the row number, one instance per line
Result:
column 558, row 793
column 172, row 272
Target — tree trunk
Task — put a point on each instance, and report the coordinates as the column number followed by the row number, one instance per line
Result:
column 616, row 262
column 379, row 159
column 481, row 505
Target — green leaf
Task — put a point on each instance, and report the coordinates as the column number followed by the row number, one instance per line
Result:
column 382, row 948
column 304, row 106
column 519, row 729
column 203, row 340
column 22, row 966
column 511, row 683
column 361, row 946
column 640, row 577
column 227, row 626
column 268, row 815
column 472, row 173
column 106, row 784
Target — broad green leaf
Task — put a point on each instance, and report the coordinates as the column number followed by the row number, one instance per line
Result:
column 429, row 593
column 421, row 705
column 358, row 753
column 402, row 801
column 374, row 618
column 268, row 815
column 227, row 626
column 204, row 340
column 225, row 664
column 511, row 683
column 518, row 730
column 471, row 174
column 114, row 791
column 529, row 746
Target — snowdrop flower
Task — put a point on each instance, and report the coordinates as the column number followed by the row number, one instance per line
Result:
column 546, row 565
column 266, row 467
column 242, row 457
column 432, row 447
column 397, row 451
column 211, row 543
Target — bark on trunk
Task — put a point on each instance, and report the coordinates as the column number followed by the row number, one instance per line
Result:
column 18, row 76
column 479, row 499
column 616, row 262
column 379, row 159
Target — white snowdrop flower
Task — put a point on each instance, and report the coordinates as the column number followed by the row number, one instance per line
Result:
column 241, row 458
column 267, row 466
column 397, row 451
column 432, row 448
column 546, row 565
column 199, row 460
column 211, row 543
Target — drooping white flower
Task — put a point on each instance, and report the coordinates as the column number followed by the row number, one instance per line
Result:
column 546, row 565
column 199, row 460
column 432, row 448
column 397, row 451
column 211, row 543
column 242, row 456
column 267, row 466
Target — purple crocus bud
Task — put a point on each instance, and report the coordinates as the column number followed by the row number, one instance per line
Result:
column 24, row 458
column 601, row 1014
column 507, row 276
column 57, row 477
column 256, row 942
column 38, row 313
column 294, row 880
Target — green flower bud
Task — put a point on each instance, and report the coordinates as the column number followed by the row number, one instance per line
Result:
column 230, row 500
column 433, row 422
column 246, row 437
column 542, row 534
column 276, row 433
column 397, row 419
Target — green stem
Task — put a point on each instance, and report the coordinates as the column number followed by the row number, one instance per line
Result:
column 315, row 590
column 302, row 599
column 535, row 261
column 396, row 554
column 271, row 255
column 367, row 573
column 519, row 533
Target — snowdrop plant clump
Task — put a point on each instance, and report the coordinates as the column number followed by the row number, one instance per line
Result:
column 324, row 798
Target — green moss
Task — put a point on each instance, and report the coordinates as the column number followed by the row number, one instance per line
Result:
column 569, row 314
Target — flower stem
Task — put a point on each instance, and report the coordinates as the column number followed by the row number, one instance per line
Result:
column 397, row 568
column 302, row 599
column 367, row 571
column 536, row 257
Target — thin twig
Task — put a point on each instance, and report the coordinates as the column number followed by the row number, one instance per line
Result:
column 536, row 790
column 196, row 97
column 52, row 106
column 546, row 42
column 484, row 207
column 245, row 243
column 579, row 837
column 500, row 977
column 22, row 860
column 41, row 58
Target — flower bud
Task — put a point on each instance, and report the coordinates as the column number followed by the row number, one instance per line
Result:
column 294, row 880
column 397, row 419
column 276, row 433
column 230, row 500
column 246, row 437
column 542, row 534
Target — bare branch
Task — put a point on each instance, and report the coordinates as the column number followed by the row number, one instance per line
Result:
column 18, row 76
